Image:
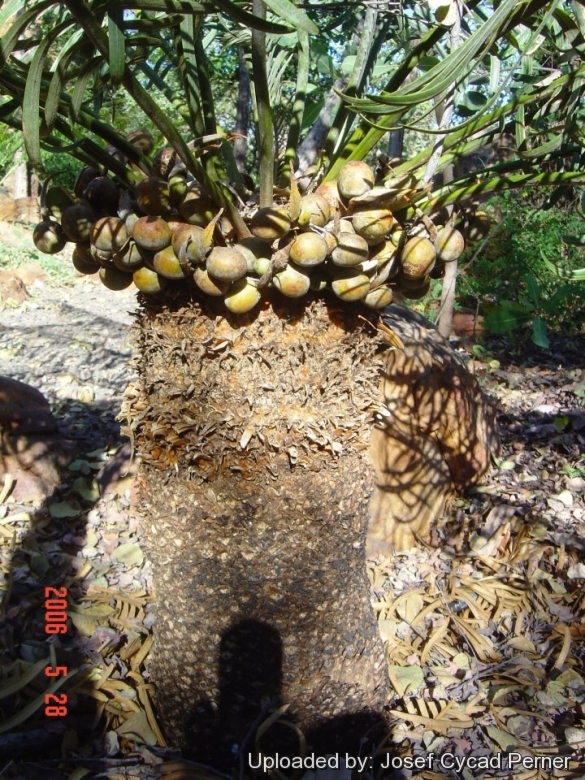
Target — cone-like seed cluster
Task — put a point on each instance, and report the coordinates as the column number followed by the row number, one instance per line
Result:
column 349, row 236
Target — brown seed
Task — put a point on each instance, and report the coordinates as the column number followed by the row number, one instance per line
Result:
column 255, row 251
column 58, row 199
column 351, row 285
column 102, row 194
column 114, row 279
column 83, row 261
column 188, row 239
column 152, row 233
column 84, row 177
column 208, row 284
column 49, row 237
column 330, row 192
column 379, row 298
column 109, row 234
column 142, row 140
column 129, row 259
column 76, row 222
column 197, row 208
column 315, row 210
column 226, row 264
column 384, row 251
column 101, row 256
column 153, row 197
column 330, row 240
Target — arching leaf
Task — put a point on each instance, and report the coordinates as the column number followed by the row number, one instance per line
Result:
column 59, row 78
column 117, row 41
column 31, row 104
column 10, row 38
column 82, row 83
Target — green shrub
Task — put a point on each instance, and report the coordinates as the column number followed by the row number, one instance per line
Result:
column 517, row 275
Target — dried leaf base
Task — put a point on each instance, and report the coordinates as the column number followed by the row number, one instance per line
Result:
column 435, row 434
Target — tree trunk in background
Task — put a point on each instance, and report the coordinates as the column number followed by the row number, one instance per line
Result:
column 445, row 318
column 255, row 480
column 21, row 185
column 242, row 113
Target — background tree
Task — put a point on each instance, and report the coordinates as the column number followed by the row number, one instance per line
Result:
column 253, row 422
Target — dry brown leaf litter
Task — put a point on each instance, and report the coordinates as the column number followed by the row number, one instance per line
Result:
column 485, row 649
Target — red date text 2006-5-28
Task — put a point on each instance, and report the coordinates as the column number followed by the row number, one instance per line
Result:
column 55, row 623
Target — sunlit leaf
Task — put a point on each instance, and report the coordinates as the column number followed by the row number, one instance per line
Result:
column 579, row 11
column 129, row 553
column 348, row 63
column 406, row 679
column 428, row 62
column 503, row 739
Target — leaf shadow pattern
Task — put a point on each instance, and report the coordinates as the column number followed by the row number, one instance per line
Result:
column 45, row 546
column 435, row 433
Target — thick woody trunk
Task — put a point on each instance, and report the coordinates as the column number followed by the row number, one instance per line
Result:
column 255, row 480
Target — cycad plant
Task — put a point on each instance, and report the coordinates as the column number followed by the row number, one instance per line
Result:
column 265, row 235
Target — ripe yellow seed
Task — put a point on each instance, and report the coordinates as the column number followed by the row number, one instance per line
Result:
column 353, row 285
column 308, row 249
column 148, row 281
column 270, row 223
column 418, row 257
column 166, row 263
column 355, row 178
column 292, row 282
column 242, row 297
column 449, row 244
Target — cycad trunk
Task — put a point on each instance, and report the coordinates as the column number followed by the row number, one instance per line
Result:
column 255, row 480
